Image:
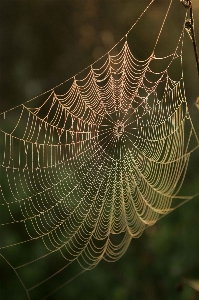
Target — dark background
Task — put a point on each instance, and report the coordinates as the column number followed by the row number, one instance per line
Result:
column 42, row 44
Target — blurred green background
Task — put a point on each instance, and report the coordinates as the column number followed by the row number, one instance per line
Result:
column 44, row 42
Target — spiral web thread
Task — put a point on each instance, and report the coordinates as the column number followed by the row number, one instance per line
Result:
column 90, row 169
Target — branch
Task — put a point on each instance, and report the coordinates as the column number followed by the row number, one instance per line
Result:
column 189, row 26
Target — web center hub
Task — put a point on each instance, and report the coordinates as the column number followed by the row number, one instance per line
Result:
column 118, row 129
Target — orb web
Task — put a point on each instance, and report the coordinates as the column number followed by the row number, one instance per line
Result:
column 90, row 169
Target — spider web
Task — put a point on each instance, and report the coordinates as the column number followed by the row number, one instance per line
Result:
column 90, row 168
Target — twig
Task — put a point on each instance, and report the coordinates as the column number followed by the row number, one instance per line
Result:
column 189, row 26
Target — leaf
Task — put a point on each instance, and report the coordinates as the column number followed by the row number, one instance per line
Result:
column 193, row 283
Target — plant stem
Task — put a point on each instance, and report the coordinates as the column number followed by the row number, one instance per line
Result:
column 189, row 26
column 193, row 37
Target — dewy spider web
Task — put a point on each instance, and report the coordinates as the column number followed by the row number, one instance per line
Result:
column 91, row 168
